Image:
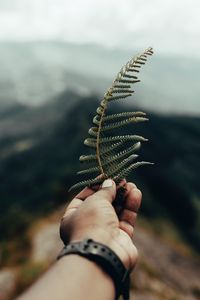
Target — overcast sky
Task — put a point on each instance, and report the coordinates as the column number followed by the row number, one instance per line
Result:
column 169, row 26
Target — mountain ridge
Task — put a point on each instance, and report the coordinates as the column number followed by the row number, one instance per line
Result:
column 39, row 176
column 34, row 72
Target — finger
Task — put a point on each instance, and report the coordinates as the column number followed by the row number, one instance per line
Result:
column 77, row 201
column 131, row 253
column 133, row 199
column 128, row 216
column 126, row 227
column 107, row 191
column 129, row 186
column 73, row 205
column 86, row 192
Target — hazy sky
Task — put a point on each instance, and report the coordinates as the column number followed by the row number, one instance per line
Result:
column 171, row 26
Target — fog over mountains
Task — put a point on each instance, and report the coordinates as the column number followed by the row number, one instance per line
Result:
column 170, row 26
column 36, row 72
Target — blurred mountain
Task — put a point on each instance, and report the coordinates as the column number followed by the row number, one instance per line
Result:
column 37, row 173
column 18, row 120
column 35, row 72
column 22, row 126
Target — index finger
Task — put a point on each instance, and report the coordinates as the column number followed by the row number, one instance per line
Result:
column 78, row 200
column 86, row 192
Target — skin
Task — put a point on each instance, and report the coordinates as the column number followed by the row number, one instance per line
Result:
column 91, row 215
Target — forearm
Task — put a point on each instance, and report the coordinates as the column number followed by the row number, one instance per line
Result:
column 72, row 277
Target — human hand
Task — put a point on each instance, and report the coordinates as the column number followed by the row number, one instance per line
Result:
column 91, row 215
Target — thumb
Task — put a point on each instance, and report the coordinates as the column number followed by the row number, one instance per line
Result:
column 107, row 191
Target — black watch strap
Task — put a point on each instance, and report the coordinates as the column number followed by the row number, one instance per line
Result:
column 105, row 258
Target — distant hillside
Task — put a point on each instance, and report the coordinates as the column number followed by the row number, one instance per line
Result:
column 36, row 179
column 20, row 120
column 36, row 72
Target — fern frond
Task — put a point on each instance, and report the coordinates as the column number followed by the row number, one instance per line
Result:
column 127, row 171
column 90, row 142
column 111, row 157
column 111, row 98
column 90, row 170
column 123, row 115
column 133, row 70
column 124, row 153
column 86, row 183
column 114, row 117
column 128, row 81
column 113, row 147
column 130, row 76
column 121, row 138
column 88, row 158
column 142, row 59
column 118, row 91
column 100, row 110
column 116, row 168
column 122, row 86
column 123, row 123
column 93, row 131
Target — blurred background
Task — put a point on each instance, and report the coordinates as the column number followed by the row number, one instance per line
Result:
column 57, row 58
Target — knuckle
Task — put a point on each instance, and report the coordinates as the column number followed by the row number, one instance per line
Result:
column 139, row 193
column 132, row 185
column 129, row 216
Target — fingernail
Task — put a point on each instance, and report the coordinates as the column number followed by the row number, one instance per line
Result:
column 107, row 183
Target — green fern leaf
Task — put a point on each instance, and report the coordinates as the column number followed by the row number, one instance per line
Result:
column 127, row 171
column 111, row 98
column 108, row 150
column 86, row 158
column 121, row 138
column 86, row 183
column 123, row 153
column 123, row 115
column 123, row 123
column 122, row 86
column 114, row 154
column 90, row 170
column 116, row 168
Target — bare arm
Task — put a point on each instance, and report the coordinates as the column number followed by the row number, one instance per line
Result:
column 91, row 215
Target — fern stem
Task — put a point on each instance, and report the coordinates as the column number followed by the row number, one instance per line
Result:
column 98, row 140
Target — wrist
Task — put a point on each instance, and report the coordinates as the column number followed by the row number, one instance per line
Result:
column 104, row 257
column 106, row 238
column 86, row 274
